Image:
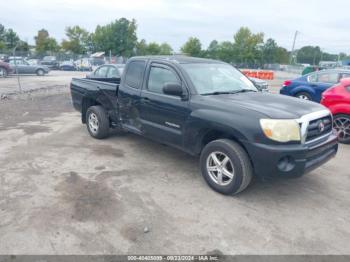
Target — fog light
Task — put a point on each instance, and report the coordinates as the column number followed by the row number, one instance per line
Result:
column 286, row 164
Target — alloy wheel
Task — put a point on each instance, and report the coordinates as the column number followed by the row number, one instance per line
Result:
column 93, row 123
column 342, row 125
column 304, row 97
column 220, row 168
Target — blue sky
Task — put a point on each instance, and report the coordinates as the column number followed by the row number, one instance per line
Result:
column 323, row 23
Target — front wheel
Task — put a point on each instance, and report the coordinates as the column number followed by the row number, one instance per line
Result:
column 97, row 122
column 304, row 96
column 342, row 125
column 226, row 166
column 40, row 72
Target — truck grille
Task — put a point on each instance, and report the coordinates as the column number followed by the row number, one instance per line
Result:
column 319, row 127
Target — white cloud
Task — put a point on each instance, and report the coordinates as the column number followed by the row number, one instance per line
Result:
column 322, row 23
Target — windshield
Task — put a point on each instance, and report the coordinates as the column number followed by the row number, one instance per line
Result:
column 217, row 78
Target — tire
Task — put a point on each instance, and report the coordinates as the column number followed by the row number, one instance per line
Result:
column 238, row 164
column 3, row 72
column 40, row 72
column 304, row 96
column 341, row 123
column 97, row 122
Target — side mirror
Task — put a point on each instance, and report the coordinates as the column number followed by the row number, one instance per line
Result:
column 173, row 89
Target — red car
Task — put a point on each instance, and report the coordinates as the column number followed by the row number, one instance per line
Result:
column 5, row 69
column 337, row 99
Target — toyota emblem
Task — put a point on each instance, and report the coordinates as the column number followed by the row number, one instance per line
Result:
column 321, row 127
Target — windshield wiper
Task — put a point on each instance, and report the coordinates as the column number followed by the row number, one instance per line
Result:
column 243, row 91
column 229, row 92
column 218, row 93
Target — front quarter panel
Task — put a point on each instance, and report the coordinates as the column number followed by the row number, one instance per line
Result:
column 238, row 126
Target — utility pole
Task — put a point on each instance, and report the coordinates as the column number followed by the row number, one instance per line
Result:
column 294, row 40
column 16, row 69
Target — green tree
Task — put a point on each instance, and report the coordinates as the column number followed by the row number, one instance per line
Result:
column 309, row 55
column 192, row 47
column 329, row 57
column 22, row 46
column 119, row 37
column 153, row 49
column 269, row 51
column 165, row 49
column 212, row 50
column 78, row 40
column 11, row 39
column 141, row 48
column 225, row 52
column 2, row 37
column 45, row 43
column 282, row 56
column 247, row 46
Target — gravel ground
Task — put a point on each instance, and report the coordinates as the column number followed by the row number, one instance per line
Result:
column 55, row 79
column 63, row 192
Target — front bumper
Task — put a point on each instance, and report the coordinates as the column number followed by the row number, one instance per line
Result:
column 290, row 160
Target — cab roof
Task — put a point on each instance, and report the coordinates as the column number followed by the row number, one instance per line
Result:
column 179, row 59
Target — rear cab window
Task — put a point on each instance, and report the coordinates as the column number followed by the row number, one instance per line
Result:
column 134, row 74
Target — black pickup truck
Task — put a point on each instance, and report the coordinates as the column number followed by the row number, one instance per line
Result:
column 208, row 108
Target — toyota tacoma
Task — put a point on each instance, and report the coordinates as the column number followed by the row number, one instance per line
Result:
column 210, row 109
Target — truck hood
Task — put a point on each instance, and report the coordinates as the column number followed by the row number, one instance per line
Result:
column 271, row 105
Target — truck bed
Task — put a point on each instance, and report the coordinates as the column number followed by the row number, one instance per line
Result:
column 84, row 88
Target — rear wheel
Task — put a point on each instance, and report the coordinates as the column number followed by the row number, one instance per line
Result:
column 226, row 166
column 40, row 72
column 304, row 96
column 3, row 72
column 342, row 125
column 97, row 122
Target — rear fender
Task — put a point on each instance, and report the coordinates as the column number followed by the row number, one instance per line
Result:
column 303, row 88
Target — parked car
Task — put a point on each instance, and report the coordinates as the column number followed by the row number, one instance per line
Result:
column 311, row 86
column 260, row 84
column 33, row 61
column 96, row 61
column 210, row 109
column 337, row 99
column 21, row 66
column 51, row 62
column 67, row 66
column 107, row 73
column 83, row 64
column 5, row 69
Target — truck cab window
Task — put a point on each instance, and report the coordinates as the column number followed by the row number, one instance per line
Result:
column 134, row 73
column 158, row 77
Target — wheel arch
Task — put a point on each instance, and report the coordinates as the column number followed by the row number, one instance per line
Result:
column 305, row 89
column 210, row 135
column 86, row 103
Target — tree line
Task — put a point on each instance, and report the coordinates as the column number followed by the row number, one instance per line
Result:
column 120, row 38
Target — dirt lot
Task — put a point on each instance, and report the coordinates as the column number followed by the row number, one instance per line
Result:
column 55, row 79
column 63, row 192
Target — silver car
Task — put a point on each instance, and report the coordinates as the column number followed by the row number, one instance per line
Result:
column 260, row 84
column 21, row 66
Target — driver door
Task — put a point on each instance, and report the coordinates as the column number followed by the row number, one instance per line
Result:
column 163, row 116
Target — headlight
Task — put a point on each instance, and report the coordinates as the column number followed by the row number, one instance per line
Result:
column 281, row 130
